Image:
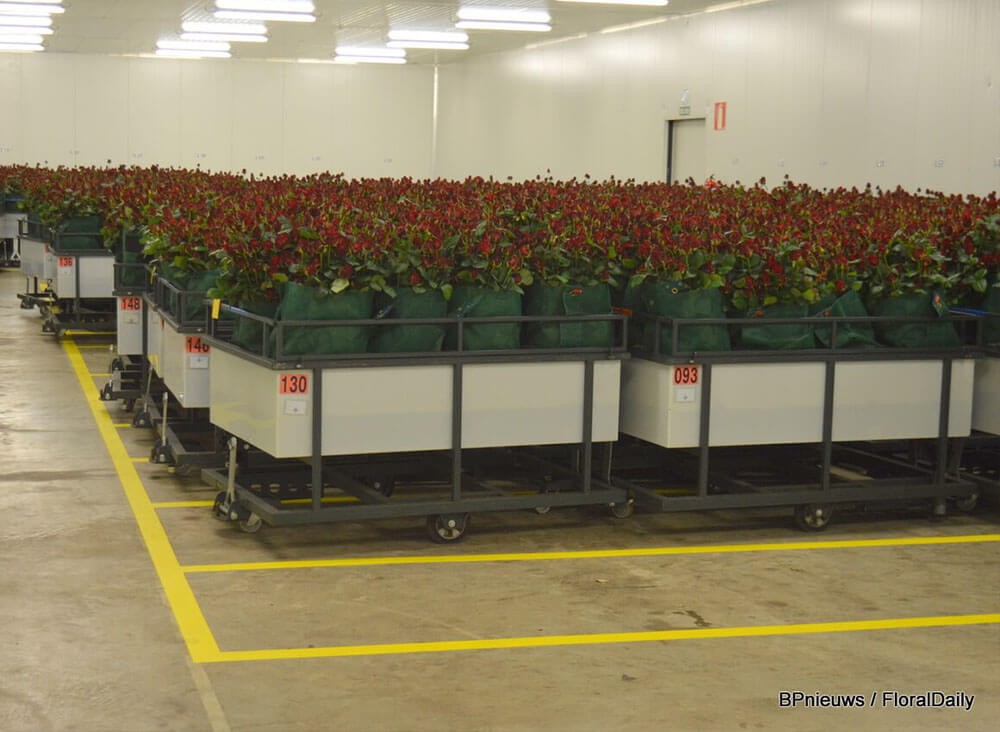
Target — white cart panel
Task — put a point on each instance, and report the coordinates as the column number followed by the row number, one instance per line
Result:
column 154, row 338
column 97, row 275
column 986, row 399
column 36, row 261
column 184, row 366
column 408, row 408
column 781, row 403
column 8, row 225
column 129, row 332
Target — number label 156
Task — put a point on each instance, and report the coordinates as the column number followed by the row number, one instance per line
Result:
column 294, row 384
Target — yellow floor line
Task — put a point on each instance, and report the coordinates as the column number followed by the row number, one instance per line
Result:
column 97, row 375
column 139, row 460
column 194, row 629
column 381, row 649
column 595, row 553
column 122, row 424
column 105, row 346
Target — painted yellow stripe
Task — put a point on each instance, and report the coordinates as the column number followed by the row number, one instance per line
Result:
column 382, row 649
column 194, row 629
column 97, row 375
column 596, row 553
column 122, row 424
column 139, row 460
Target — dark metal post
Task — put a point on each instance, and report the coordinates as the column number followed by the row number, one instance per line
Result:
column 703, row 428
column 456, row 427
column 828, row 392
column 944, row 417
column 588, row 423
column 317, row 439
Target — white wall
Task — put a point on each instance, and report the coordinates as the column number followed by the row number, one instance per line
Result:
column 817, row 89
column 222, row 115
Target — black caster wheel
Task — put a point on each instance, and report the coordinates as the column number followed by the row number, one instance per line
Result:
column 160, row 455
column 106, row 393
column 25, row 305
column 813, row 516
column 542, row 510
column 623, row 509
column 967, row 504
column 47, row 328
column 220, row 509
column 384, row 485
column 447, row 529
column 128, row 404
column 116, row 365
column 141, row 419
column 251, row 524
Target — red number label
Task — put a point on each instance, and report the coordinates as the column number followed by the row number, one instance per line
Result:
column 294, row 384
column 65, row 261
column 686, row 375
column 131, row 303
column 195, row 345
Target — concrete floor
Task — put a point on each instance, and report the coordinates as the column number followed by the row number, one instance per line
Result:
column 92, row 643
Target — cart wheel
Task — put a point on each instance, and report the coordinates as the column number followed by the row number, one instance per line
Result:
column 383, row 485
column 141, row 419
column 622, row 509
column 219, row 508
column 106, row 393
column 160, row 455
column 116, row 365
column 813, row 516
column 25, row 305
column 445, row 529
column 967, row 504
column 128, row 404
column 251, row 524
column 542, row 510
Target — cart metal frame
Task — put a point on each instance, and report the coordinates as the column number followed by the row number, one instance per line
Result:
column 463, row 494
column 918, row 483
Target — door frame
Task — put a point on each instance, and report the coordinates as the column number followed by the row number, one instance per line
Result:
column 669, row 144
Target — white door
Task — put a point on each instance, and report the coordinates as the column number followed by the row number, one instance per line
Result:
column 686, row 150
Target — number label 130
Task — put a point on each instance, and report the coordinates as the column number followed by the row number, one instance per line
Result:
column 293, row 384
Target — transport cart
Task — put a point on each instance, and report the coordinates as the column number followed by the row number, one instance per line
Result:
column 345, row 430
column 10, row 216
column 72, row 286
column 175, row 382
column 129, row 367
column 703, row 420
column 981, row 454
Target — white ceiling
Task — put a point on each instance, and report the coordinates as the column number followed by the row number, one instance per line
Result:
column 134, row 26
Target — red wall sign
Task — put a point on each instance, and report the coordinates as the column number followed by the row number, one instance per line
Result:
column 720, row 115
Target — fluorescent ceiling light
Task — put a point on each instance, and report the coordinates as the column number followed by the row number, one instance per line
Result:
column 500, row 25
column 21, row 37
column 632, row 26
column 370, row 51
column 234, row 37
column 429, row 44
column 254, row 15
column 659, row 3
column 6, row 30
column 33, row 9
column 193, row 45
column 36, row 2
column 417, row 35
column 514, row 15
column 201, row 26
column 281, row 6
column 369, row 60
column 176, row 53
column 41, row 21
column 21, row 47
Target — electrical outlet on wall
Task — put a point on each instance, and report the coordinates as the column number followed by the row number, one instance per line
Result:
column 258, row 156
column 201, row 155
column 879, row 163
column 939, row 163
column 317, row 158
column 781, row 163
column 137, row 156
column 387, row 161
column 996, row 162
column 736, row 161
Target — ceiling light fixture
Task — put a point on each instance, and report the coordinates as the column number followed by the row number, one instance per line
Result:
column 371, row 51
column 261, row 16
column 177, row 53
column 658, row 3
column 232, row 37
column 513, row 15
column 281, row 6
column 40, row 21
column 21, row 37
column 418, row 35
column 503, row 25
column 192, row 45
column 201, row 26
column 7, row 8
column 442, row 45
column 6, row 30
column 21, row 47
column 368, row 60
